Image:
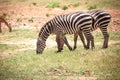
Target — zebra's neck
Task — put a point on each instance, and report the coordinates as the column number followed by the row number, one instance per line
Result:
column 46, row 30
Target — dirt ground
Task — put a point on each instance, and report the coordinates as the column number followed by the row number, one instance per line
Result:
column 41, row 15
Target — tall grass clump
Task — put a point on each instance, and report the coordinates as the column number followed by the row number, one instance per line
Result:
column 34, row 3
column 64, row 7
column 47, row 14
column 31, row 20
column 19, row 19
column 52, row 4
column 92, row 7
column 76, row 4
column 4, row 15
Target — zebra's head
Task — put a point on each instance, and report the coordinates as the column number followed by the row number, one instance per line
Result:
column 40, row 46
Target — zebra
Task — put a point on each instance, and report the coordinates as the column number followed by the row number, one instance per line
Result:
column 101, row 19
column 65, row 24
column 2, row 20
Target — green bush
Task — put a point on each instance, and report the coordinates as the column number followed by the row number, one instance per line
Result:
column 19, row 19
column 64, row 8
column 31, row 20
column 34, row 3
column 92, row 7
column 47, row 14
column 53, row 4
column 4, row 15
column 76, row 4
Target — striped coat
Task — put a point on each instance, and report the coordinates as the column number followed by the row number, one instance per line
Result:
column 101, row 19
column 65, row 24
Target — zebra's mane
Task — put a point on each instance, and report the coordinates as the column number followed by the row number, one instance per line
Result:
column 46, row 27
column 43, row 27
column 41, row 30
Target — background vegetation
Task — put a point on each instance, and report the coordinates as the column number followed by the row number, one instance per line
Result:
column 111, row 4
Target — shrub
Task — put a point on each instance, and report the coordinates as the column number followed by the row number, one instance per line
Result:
column 47, row 14
column 92, row 7
column 34, row 3
column 31, row 20
column 19, row 19
column 53, row 4
column 4, row 15
column 76, row 4
column 64, row 8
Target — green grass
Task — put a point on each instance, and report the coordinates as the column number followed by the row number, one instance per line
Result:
column 76, row 4
column 15, row 63
column 103, row 64
column 92, row 7
column 19, row 34
column 64, row 7
column 52, row 4
column 86, row 4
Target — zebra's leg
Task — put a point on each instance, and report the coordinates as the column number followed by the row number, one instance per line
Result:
column 66, row 42
column 75, row 40
column 59, row 40
column 61, row 43
column 90, row 39
column 106, row 36
column 0, row 28
column 82, row 39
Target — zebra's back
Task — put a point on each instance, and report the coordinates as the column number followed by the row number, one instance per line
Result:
column 72, row 23
column 101, row 18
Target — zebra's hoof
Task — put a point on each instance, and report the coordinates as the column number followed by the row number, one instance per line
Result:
column 10, row 31
column 61, row 48
column 38, row 52
column 58, row 51
column 70, row 49
column 86, row 48
column 74, row 48
column 104, row 47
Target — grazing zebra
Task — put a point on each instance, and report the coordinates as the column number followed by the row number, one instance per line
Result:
column 2, row 20
column 101, row 20
column 65, row 24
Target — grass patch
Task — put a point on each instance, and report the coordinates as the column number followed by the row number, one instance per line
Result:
column 4, row 15
column 91, row 7
column 64, row 7
column 114, row 36
column 19, row 34
column 19, row 20
column 31, row 20
column 67, row 65
column 76, row 4
column 34, row 3
column 52, row 4
column 47, row 14
column 28, row 65
column 109, row 4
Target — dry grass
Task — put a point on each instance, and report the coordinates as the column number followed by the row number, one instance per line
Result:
column 19, row 61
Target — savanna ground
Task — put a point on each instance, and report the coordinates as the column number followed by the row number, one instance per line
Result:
column 19, row 61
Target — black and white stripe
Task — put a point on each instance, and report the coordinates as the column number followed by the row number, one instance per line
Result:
column 101, row 19
column 66, row 24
